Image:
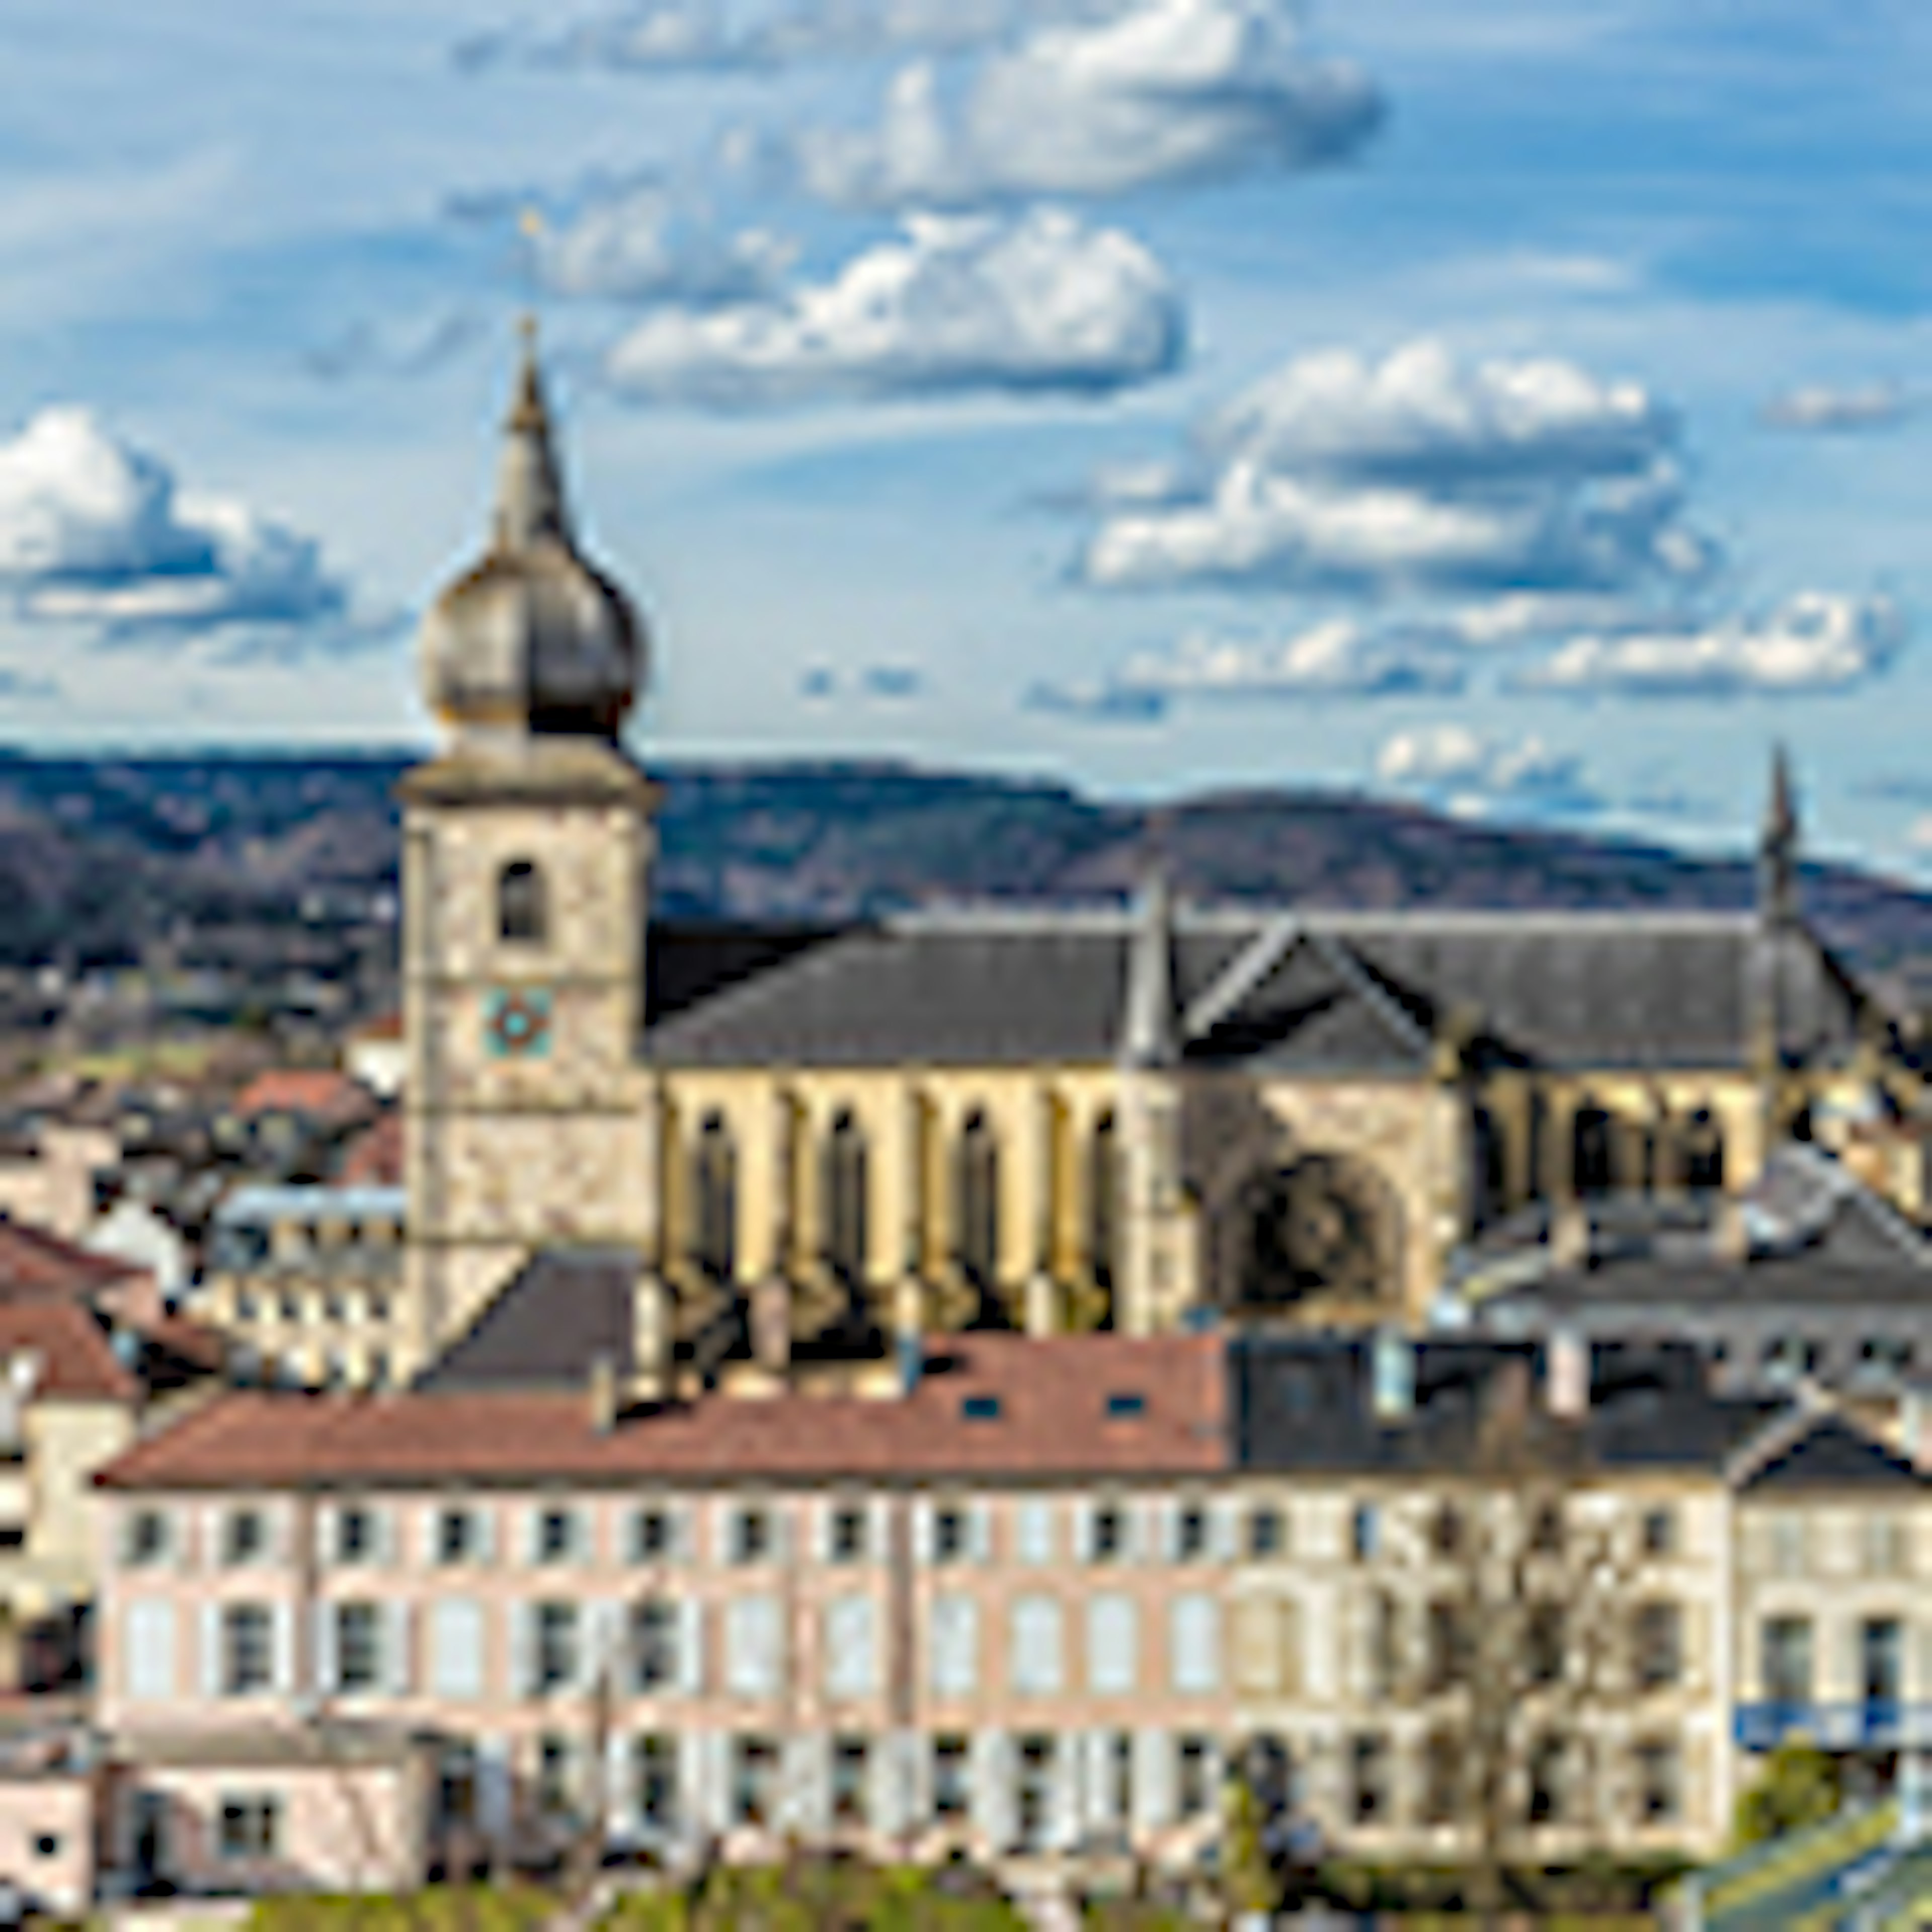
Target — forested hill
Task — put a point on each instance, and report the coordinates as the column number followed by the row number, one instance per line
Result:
column 97, row 854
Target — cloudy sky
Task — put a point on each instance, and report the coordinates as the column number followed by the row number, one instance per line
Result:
column 1525, row 405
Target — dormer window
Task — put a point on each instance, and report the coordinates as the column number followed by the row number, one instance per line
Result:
column 1126, row 1405
column 980, row 1408
column 522, row 912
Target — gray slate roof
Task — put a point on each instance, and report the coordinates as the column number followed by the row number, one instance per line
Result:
column 548, row 1328
column 1340, row 992
column 1834, row 1455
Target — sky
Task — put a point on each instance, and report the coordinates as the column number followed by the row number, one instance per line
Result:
column 1519, row 406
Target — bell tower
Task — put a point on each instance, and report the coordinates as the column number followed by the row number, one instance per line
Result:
column 527, row 845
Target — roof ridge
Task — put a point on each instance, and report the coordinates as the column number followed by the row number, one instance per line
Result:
column 1241, row 975
column 1380, row 1001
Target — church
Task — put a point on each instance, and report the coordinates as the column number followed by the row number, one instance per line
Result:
column 773, row 1154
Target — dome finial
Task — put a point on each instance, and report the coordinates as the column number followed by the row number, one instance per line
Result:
column 530, row 494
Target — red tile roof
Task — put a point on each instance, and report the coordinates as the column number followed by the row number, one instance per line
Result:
column 320, row 1093
column 1052, row 1420
column 76, row 1363
column 383, row 1027
column 35, row 1262
column 374, row 1158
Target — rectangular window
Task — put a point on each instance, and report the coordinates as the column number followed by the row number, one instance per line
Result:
column 1034, row 1660
column 1885, row 1545
column 1881, row 1660
column 1193, row 1777
column 656, row 1763
column 1544, row 1643
column 1107, row 1538
column 1785, row 1660
column 456, row 1785
column 456, row 1537
column 1442, row 1760
column 846, row 1543
column 1368, row 1778
column 1117, row 1779
column 1190, row 1534
column 1113, row 1639
column 355, row 1535
column 952, row 1777
column 148, row 1651
column 1544, row 1799
column 851, row 1769
column 954, row 1650
column 951, row 1535
column 1659, row 1532
column 1033, row 1794
column 755, row 1778
column 654, row 1663
column 851, row 1647
column 247, row 1650
column 751, row 1536
column 754, row 1643
column 1660, row 1782
column 1267, row 1537
column 554, row 1667
column 1660, row 1646
column 456, row 1658
column 556, row 1538
column 1034, row 1532
column 556, row 1778
column 650, row 1536
column 358, row 1647
column 243, row 1537
column 1194, row 1645
column 1364, row 1532
column 1787, row 1546
column 146, row 1543
column 1446, row 1662
column 249, row 1828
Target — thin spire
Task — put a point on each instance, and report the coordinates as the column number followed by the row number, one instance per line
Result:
column 529, row 489
column 1151, row 1035
column 1777, row 848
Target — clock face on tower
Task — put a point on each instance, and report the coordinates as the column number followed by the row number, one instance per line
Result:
column 516, row 1022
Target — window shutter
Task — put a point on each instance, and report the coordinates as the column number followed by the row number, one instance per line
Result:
column 922, row 1531
column 1194, row 1645
column 752, row 1643
column 523, row 1649
column 495, row 1808
column 1033, row 1528
column 321, row 1635
column 1096, row 1756
column 819, row 1517
column 1224, row 1530
column 894, row 1768
column 851, row 1661
column 1154, row 1781
column 211, row 1650
column 398, row 1663
column 1288, row 1641
column 695, row 1815
column 805, row 1793
column 1697, row 1615
column 1112, row 1641
column 992, row 1772
column 980, row 1530
column 148, row 1653
column 1083, row 1532
column 691, row 1646
column 427, row 1539
column 954, row 1654
column 485, row 1534
column 1033, row 1656
column 282, row 1626
column 456, row 1650
column 1163, row 1530
column 1063, row 1827
column 1319, row 1642
column 321, row 1535
column 600, row 1651
column 1257, row 1634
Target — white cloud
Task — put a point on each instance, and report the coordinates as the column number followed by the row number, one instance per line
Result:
column 1919, row 836
column 94, row 531
column 1814, row 643
column 1471, row 775
column 1041, row 303
column 1172, row 91
column 1102, row 701
column 639, row 245
column 1420, row 474
column 411, row 347
column 1340, row 658
column 1876, row 405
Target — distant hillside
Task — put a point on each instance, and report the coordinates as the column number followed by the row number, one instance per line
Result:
column 99, row 854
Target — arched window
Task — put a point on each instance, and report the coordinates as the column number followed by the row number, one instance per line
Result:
column 1103, row 1201
column 844, row 1199
column 714, row 1190
column 1488, row 1171
column 1703, row 1152
column 1267, row 1766
column 522, row 914
column 1590, row 1149
column 976, row 1201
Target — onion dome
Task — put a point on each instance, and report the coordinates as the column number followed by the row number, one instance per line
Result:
column 531, row 637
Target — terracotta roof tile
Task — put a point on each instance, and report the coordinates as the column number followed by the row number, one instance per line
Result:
column 374, row 1158
column 35, row 1262
column 76, row 1363
column 990, row 1407
column 320, row 1093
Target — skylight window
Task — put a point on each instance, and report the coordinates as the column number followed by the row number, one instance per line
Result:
column 1123, row 1404
column 980, row 1408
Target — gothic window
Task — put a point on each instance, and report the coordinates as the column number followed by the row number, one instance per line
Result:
column 1590, row 1149
column 714, row 1189
column 1703, row 1152
column 1488, row 1179
column 976, row 1200
column 523, row 912
column 844, row 1199
column 1103, row 1201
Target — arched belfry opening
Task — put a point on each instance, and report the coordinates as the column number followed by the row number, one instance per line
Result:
column 522, row 904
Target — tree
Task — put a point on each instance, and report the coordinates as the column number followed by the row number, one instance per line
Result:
column 1513, row 1638
column 1799, row 1787
column 1248, row 1879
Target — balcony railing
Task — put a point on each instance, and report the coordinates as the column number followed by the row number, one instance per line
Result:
column 1878, row 1724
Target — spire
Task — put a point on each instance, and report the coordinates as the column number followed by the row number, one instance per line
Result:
column 529, row 490
column 1151, row 1036
column 1778, row 848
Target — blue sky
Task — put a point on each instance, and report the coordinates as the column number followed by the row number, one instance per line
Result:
column 1523, row 405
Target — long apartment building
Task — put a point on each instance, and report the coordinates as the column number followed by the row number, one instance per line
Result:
column 1032, row 1599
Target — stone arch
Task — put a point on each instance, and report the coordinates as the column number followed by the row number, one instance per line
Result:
column 1700, row 1151
column 1592, row 1148
column 1103, row 1201
column 975, row 1202
column 844, row 1199
column 523, row 904
column 1489, row 1167
column 1324, row 1228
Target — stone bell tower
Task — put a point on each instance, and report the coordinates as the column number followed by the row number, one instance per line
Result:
column 527, row 845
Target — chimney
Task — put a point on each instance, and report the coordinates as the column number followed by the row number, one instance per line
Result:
column 1394, row 1372
column 1567, row 1374
column 603, row 1393
column 650, row 1339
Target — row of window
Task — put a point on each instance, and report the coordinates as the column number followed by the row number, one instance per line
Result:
column 1786, row 1655
column 336, row 1307
column 1789, row 1544
column 1557, row 1786
column 657, row 1646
